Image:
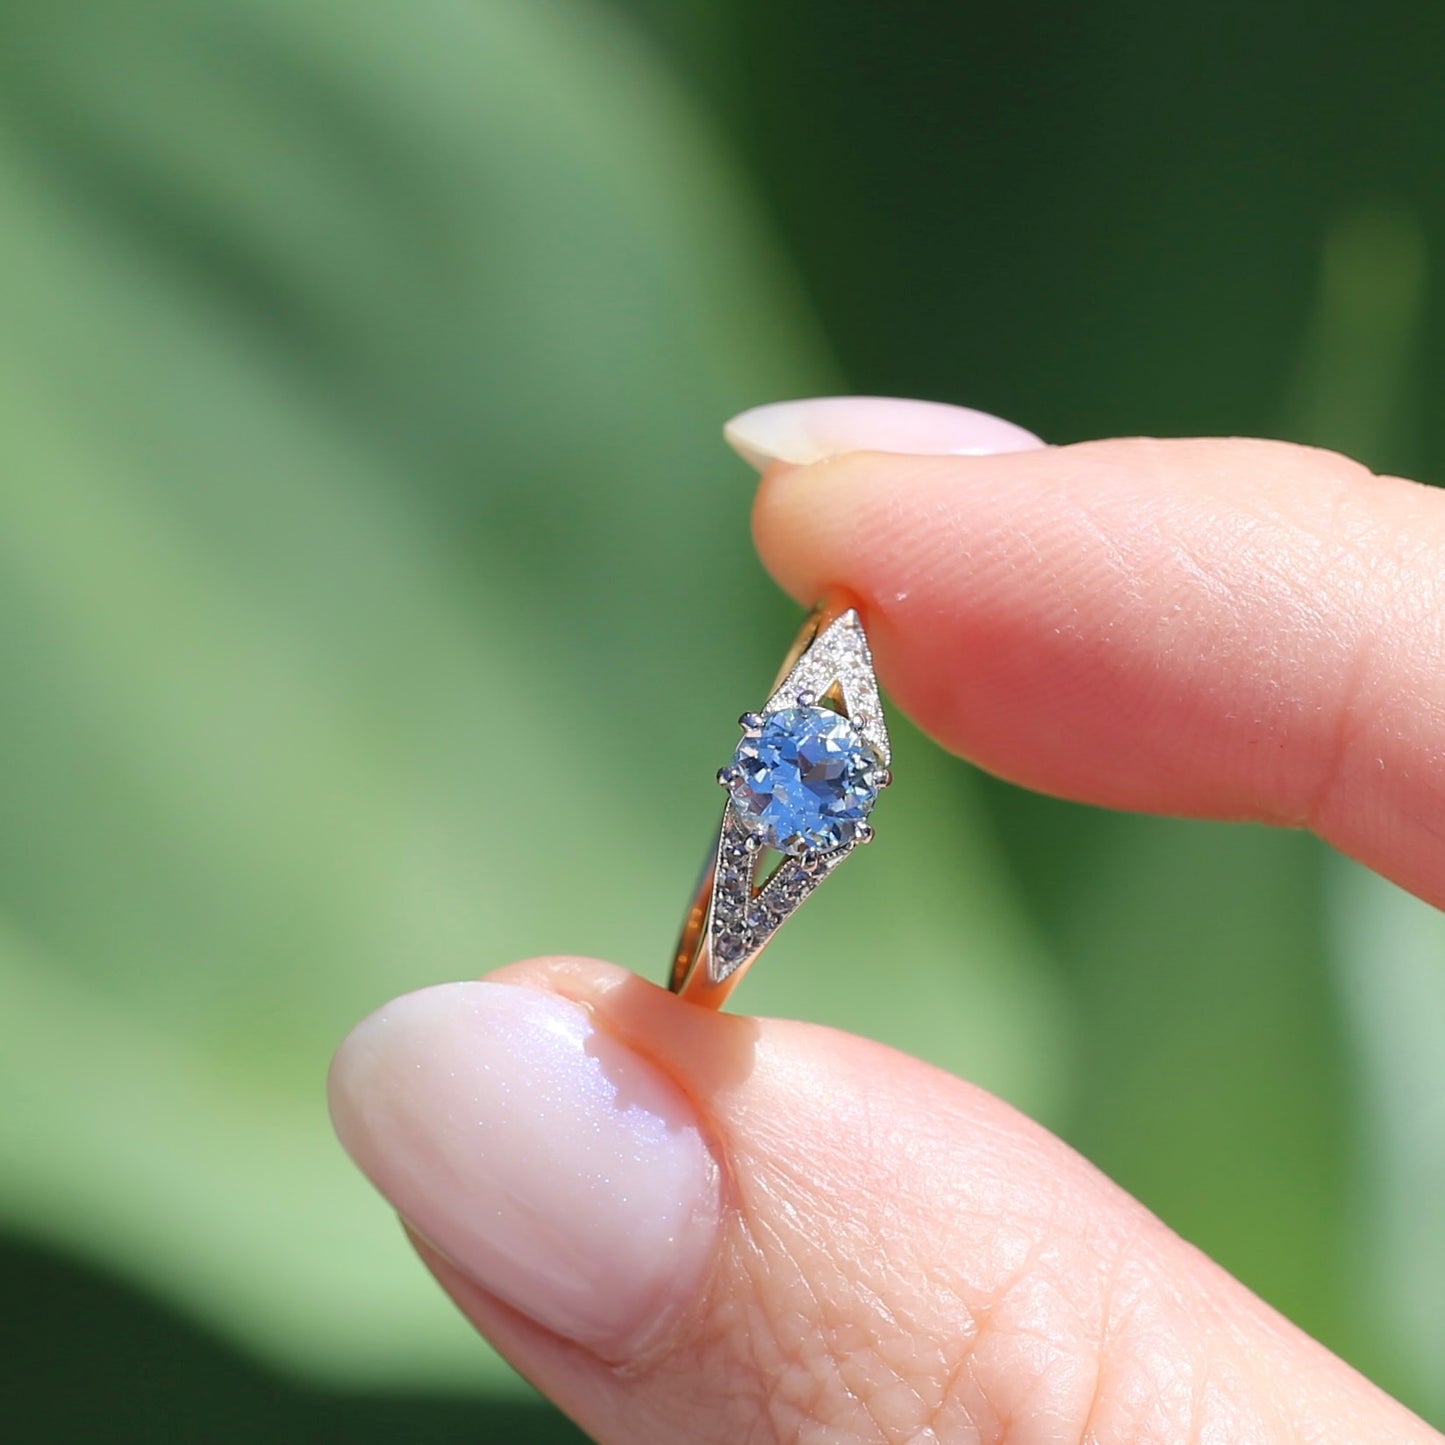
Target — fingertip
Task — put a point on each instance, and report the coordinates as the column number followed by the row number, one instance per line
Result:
column 1218, row 627
column 496, row 1118
column 858, row 522
column 803, row 528
column 856, row 1234
column 805, row 515
column 704, row 1051
column 575, row 976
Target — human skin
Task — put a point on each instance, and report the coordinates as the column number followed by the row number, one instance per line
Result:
column 686, row 1226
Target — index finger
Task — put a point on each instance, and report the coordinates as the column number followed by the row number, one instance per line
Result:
column 1217, row 628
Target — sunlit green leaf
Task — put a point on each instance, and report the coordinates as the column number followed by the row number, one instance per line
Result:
column 377, row 600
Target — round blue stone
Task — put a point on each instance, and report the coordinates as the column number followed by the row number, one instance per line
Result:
column 805, row 782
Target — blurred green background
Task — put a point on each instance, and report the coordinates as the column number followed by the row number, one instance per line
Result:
column 361, row 493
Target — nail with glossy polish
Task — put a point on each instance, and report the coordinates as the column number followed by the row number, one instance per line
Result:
column 549, row 1163
column 811, row 430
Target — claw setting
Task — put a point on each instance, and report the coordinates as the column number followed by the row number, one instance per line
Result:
column 805, row 782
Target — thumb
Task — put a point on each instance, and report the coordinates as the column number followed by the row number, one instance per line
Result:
column 691, row 1226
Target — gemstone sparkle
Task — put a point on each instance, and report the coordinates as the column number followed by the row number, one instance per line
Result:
column 806, row 782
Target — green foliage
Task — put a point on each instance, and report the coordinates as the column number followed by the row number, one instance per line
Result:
column 362, row 509
column 366, row 513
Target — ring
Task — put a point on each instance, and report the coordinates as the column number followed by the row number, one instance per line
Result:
column 800, row 788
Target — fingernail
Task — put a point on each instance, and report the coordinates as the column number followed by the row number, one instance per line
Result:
column 556, row 1168
column 801, row 432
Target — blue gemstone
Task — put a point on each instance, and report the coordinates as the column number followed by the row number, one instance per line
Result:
column 805, row 783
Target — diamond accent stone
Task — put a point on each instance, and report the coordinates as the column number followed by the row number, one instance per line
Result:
column 840, row 654
column 741, row 926
column 730, row 948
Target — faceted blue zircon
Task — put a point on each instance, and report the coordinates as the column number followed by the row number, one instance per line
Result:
column 806, row 782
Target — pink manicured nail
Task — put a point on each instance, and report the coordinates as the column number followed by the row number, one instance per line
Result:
column 553, row 1166
column 801, row 432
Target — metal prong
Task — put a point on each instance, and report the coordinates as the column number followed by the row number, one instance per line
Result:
column 729, row 775
column 807, row 699
column 751, row 723
column 752, row 843
column 882, row 778
column 864, row 833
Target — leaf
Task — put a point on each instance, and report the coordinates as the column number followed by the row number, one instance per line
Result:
column 377, row 600
column 1389, row 949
